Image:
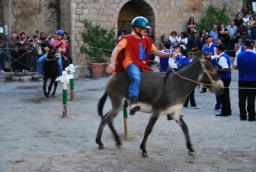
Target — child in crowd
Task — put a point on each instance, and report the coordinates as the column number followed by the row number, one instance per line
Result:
column 162, row 63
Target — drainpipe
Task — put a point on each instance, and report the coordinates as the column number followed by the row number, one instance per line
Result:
column 232, row 6
column 58, row 13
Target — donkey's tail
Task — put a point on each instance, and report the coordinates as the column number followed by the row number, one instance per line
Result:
column 101, row 104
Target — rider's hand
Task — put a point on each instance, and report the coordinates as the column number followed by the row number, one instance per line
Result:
column 111, row 68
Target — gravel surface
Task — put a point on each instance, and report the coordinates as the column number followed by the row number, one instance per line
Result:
column 35, row 137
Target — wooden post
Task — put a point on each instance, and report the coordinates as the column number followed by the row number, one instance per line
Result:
column 126, row 126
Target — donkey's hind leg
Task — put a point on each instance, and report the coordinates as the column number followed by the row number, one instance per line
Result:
column 55, row 87
column 108, row 119
column 184, row 128
column 50, row 86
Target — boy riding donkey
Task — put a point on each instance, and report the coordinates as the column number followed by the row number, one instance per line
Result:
column 131, row 55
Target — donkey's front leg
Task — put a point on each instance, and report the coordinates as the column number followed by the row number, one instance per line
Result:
column 148, row 130
column 44, row 88
column 184, row 128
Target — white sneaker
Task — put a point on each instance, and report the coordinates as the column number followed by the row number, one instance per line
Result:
column 134, row 108
column 196, row 107
column 1, row 71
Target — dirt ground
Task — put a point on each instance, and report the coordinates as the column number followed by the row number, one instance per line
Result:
column 34, row 136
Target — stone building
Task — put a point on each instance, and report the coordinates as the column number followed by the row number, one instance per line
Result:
column 164, row 16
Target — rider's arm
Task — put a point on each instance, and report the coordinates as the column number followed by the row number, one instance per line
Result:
column 159, row 53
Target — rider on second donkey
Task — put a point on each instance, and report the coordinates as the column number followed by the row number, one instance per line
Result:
column 131, row 55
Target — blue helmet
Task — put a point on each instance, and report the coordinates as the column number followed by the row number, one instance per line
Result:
column 60, row 32
column 141, row 22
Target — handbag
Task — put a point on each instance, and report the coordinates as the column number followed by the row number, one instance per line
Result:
column 40, row 52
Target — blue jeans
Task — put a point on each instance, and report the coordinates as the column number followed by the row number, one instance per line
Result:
column 41, row 61
column 133, row 72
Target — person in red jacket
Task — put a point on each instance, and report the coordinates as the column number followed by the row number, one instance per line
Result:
column 134, row 49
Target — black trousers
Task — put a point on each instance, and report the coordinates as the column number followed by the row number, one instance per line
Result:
column 190, row 98
column 224, row 98
column 249, row 96
column 15, row 63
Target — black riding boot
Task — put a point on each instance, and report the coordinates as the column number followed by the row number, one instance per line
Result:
column 134, row 107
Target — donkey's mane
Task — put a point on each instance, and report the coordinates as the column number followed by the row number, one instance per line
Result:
column 170, row 71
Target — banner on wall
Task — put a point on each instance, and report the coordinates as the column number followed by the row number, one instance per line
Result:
column 254, row 6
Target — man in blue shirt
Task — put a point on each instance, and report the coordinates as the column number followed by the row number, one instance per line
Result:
column 245, row 63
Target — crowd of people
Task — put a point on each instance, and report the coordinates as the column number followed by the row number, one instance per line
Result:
column 26, row 51
column 215, row 45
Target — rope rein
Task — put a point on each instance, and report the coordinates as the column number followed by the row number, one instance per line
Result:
column 213, row 83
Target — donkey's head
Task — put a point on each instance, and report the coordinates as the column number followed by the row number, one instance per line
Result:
column 210, row 77
column 51, row 52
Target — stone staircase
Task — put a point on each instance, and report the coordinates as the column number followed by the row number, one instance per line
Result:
column 18, row 76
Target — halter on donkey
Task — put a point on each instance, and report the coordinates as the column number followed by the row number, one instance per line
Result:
column 158, row 95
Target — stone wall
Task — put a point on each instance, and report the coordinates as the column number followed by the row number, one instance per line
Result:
column 32, row 17
column 164, row 15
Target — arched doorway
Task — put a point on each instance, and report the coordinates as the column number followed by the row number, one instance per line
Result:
column 132, row 9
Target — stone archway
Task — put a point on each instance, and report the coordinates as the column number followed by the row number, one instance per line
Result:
column 132, row 9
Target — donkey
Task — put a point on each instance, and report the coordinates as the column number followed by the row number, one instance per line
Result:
column 160, row 94
column 50, row 71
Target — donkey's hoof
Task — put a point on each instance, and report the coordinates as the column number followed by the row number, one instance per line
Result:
column 143, row 154
column 119, row 145
column 101, row 147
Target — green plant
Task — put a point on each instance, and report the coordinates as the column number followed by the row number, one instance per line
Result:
column 212, row 16
column 98, row 41
column 250, row 7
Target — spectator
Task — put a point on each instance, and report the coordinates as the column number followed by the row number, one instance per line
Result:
column 24, row 44
column 120, row 37
column 232, row 35
column 203, row 36
column 254, row 15
column 151, row 35
column 122, row 30
column 194, row 43
column 246, row 19
column 214, row 34
column 162, row 63
column 242, row 32
column 1, row 56
column 224, row 72
column 14, row 46
column 60, row 45
column 245, row 63
column 163, row 40
column 253, row 33
column 44, row 40
column 251, row 22
column 65, row 37
column 183, row 39
column 54, row 38
column 238, row 44
column 223, row 33
column 238, row 21
column 174, row 38
column 18, row 34
column 191, row 26
column 177, row 57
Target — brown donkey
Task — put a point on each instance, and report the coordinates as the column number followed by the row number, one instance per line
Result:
column 160, row 94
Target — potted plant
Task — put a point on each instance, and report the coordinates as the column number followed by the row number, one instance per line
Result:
column 98, row 45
